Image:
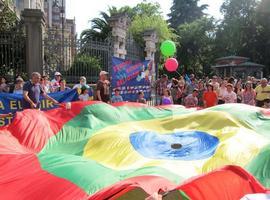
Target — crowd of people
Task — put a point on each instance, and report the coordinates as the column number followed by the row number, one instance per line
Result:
column 193, row 92
column 187, row 91
column 57, row 84
column 41, row 86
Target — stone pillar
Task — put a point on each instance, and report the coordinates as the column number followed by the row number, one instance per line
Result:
column 34, row 23
column 151, row 39
column 119, row 24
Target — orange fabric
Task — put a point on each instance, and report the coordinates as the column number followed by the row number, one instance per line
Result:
column 210, row 98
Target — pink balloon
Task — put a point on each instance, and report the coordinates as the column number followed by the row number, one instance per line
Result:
column 171, row 64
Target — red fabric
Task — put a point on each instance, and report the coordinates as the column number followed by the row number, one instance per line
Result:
column 43, row 124
column 228, row 183
column 210, row 98
column 150, row 184
column 266, row 112
column 10, row 145
column 22, row 178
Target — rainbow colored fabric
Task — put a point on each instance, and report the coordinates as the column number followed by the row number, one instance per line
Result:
column 85, row 152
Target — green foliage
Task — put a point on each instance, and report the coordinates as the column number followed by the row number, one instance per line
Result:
column 197, row 42
column 147, row 9
column 185, row 11
column 86, row 65
column 144, row 16
column 237, row 32
column 245, row 30
column 8, row 18
column 100, row 28
column 262, row 45
column 195, row 35
column 142, row 23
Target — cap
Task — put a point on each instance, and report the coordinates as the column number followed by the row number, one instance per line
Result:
column 103, row 73
column 229, row 85
column 83, row 78
column 57, row 74
column 19, row 79
column 164, row 76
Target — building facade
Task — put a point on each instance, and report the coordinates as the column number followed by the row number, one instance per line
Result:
column 61, row 30
column 55, row 13
column 19, row 5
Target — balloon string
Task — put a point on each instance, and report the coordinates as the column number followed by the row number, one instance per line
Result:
column 178, row 73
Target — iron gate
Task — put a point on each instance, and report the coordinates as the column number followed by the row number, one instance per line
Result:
column 13, row 53
column 74, row 58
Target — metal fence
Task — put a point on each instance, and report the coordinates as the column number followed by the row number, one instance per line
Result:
column 75, row 58
column 12, row 54
column 135, row 51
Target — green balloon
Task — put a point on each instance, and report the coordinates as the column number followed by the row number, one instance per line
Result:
column 168, row 48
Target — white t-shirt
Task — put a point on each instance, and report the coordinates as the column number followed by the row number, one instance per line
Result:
column 84, row 97
column 230, row 97
column 221, row 92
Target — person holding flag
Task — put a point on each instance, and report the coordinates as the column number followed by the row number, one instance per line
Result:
column 32, row 91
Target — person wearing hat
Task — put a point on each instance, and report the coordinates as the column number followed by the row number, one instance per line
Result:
column 18, row 88
column 103, row 87
column 83, row 83
column 230, row 96
column 55, row 82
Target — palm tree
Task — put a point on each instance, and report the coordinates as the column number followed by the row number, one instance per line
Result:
column 100, row 28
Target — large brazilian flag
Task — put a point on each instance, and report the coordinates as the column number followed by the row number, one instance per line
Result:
column 77, row 153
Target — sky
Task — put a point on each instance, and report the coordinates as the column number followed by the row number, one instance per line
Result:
column 85, row 10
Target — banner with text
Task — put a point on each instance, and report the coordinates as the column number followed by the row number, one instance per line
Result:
column 11, row 103
column 130, row 77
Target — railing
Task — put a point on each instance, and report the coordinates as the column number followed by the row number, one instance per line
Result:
column 12, row 54
column 74, row 58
